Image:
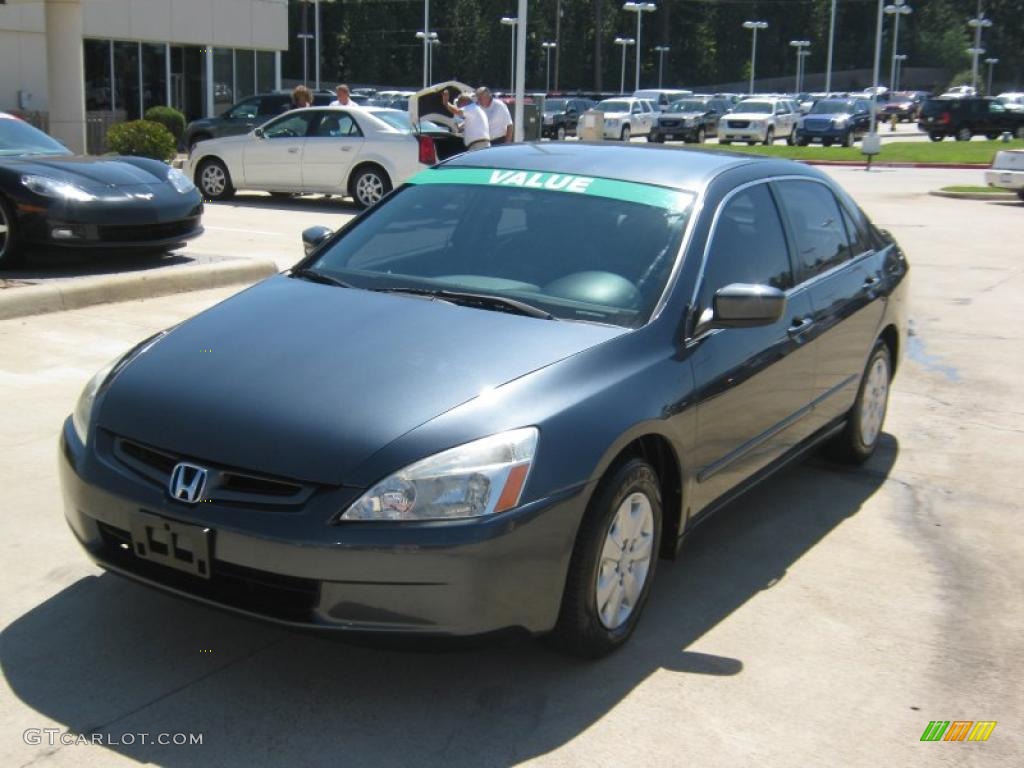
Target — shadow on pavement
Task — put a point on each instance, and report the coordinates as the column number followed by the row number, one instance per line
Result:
column 107, row 656
column 43, row 264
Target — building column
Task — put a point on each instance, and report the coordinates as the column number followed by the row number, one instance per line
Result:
column 277, row 70
column 65, row 73
column 208, row 52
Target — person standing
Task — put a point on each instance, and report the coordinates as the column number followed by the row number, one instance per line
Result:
column 499, row 121
column 475, row 131
column 344, row 98
column 301, row 97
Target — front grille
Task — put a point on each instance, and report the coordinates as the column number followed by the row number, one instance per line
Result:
column 224, row 485
column 133, row 233
column 668, row 123
column 269, row 594
column 739, row 123
column 817, row 125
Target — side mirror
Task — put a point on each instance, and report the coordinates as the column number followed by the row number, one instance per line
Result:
column 312, row 237
column 258, row 133
column 743, row 305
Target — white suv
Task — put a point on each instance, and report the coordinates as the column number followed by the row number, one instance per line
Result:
column 759, row 119
column 625, row 117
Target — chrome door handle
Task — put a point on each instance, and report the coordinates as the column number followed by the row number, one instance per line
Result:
column 870, row 280
column 799, row 326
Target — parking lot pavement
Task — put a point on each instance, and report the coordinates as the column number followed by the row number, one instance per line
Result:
column 824, row 619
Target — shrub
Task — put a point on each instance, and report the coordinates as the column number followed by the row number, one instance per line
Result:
column 169, row 118
column 141, row 138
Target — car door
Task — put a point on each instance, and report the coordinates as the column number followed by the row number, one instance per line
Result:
column 843, row 281
column 272, row 157
column 332, row 146
column 753, row 385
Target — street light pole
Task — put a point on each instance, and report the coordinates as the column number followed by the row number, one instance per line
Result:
column 513, row 22
column 897, row 10
column 430, row 40
column 991, row 65
column 754, row 26
column 623, row 41
column 305, row 37
column 900, row 58
column 978, row 23
column 800, row 45
column 831, row 40
column 547, row 45
column 639, row 9
column 877, row 66
column 426, row 43
column 662, row 50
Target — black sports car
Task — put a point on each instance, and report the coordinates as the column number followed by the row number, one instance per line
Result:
column 49, row 197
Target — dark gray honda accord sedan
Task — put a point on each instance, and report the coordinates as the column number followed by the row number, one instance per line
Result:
column 494, row 400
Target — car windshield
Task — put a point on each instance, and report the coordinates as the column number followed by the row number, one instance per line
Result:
column 554, row 105
column 19, row 138
column 613, row 105
column 755, row 107
column 832, row 108
column 577, row 254
column 687, row 106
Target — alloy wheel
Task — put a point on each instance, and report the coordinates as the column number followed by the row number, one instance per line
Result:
column 874, row 401
column 369, row 188
column 213, row 180
column 625, row 560
column 5, row 233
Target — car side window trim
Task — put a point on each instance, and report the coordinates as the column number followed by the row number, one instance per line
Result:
column 788, row 223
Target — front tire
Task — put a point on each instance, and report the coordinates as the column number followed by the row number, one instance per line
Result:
column 848, row 139
column 701, row 136
column 626, row 133
column 791, row 139
column 936, row 136
column 859, row 438
column 10, row 253
column 963, row 133
column 769, row 137
column 214, row 180
column 369, row 186
column 613, row 563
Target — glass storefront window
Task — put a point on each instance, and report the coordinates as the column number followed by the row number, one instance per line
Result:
column 97, row 75
column 245, row 73
column 266, row 72
column 126, row 79
column 223, row 79
column 154, row 75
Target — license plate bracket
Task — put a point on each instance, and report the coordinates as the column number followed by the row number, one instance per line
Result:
column 182, row 546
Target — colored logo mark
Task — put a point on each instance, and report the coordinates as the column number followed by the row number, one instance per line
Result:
column 958, row 730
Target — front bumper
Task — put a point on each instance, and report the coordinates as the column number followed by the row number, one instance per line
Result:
column 162, row 222
column 446, row 579
column 835, row 134
column 674, row 133
column 741, row 134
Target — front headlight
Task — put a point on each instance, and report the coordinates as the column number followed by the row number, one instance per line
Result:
column 480, row 478
column 180, row 181
column 81, row 417
column 756, row 123
column 839, row 122
column 62, row 190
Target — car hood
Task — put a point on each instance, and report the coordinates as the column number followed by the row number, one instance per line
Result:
column 308, row 381
column 748, row 116
column 678, row 115
column 616, row 115
column 92, row 173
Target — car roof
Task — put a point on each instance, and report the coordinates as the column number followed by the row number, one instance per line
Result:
column 672, row 167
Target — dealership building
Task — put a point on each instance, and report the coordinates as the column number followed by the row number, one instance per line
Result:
column 78, row 65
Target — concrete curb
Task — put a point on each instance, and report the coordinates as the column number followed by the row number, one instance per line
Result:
column 86, row 291
column 1001, row 196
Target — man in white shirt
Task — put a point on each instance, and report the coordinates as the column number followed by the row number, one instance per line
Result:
column 475, row 131
column 343, row 100
column 499, row 121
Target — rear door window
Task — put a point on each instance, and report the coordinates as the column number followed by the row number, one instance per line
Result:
column 817, row 226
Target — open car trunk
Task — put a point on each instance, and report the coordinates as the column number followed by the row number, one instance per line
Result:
column 428, row 104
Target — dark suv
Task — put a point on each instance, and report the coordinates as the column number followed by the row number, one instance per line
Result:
column 245, row 115
column 964, row 118
column 562, row 115
column 691, row 119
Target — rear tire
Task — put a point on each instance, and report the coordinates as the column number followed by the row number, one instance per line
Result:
column 369, row 186
column 991, row 136
column 936, row 136
column 802, row 141
column 725, row 142
column 963, row 133
column 859, row 438
column 214, row 180
column 10, row 254
column 613, row 563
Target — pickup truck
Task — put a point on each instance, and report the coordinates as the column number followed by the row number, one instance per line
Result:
column 1007, row 171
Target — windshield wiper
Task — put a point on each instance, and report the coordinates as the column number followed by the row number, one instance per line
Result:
column 484, row 300
column 319, row 277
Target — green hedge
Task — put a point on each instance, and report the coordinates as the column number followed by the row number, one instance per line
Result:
column 142, row 138
column 169, row 118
